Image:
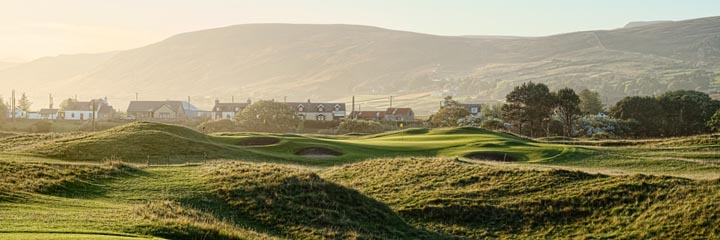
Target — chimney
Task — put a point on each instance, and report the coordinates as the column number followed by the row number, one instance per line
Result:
column 308, row 100
column 249, row 101
column 217, row 101
column 353, row 104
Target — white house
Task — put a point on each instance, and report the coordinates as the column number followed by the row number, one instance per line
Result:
column 49, row 113
column 319, row 111
column 228, row 110
column 33, row 115
column 82, row 111
column 18, row 114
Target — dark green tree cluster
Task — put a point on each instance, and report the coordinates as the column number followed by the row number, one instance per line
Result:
column 675, row 113
column 267, row 116
column 530, row 108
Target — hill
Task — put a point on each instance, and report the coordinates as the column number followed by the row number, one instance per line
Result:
column 334, row 61
column 404, row 198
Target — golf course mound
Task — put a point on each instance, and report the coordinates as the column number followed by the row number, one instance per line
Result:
column 318, row 152
column 301, row 205
column 258, row 141
column 140, row 142
column 478, row 201
column 486, row 156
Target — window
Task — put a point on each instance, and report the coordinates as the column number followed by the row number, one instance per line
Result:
column 164, row 115
column 72, row 115
column 474, row 110
column 237, row 109
column 337, row 108
column 320, row 117
column 227, row 116
column 321, row 108
column 301, row 108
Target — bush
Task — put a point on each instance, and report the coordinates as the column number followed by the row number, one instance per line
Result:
column 493, row 124
column 360, row 126
column 41, row 127
column 223, row 125
column 600, row 135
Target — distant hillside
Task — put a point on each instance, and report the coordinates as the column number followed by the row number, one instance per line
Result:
column 643, row 23
column 333, row 61
column 4, row 65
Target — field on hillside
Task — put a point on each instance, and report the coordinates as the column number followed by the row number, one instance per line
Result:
column 149, row 180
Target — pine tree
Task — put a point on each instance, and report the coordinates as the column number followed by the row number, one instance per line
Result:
column 23, row 103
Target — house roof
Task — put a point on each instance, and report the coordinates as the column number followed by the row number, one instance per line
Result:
column 85, row 106
column 229, row 107
column 398, row 111
column 314, row 106
column 367, row 114
column 48, row 111
column 151, row 106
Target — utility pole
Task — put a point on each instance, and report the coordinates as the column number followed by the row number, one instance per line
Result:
column 51, row 101
column 353, row 104
column 391, row 101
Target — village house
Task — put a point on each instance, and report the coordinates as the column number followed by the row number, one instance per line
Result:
column 77, row 110
column 473, row 108
column 399, row 114
column 318, row 111
column 49, row 113
column 228, row 110
column 368, row 115
column 159, row 110
column 390, row 114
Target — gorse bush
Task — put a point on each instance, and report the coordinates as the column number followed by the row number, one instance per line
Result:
column 360, row 126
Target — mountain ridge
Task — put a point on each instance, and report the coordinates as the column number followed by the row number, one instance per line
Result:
column 301, row 61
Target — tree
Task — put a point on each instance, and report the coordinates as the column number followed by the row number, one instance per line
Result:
column 24, row 103
column 590, row 102
column 687, row 112
column 491, row 111
column 646, row 111
column 267, row 116
column 568, row 108
column 714, row 122
column 529, row 103
column 449, row 102
column 448, row 116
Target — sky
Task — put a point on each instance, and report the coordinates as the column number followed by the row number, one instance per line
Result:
column 30, row 29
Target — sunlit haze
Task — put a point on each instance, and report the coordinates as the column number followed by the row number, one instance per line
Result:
column 35, row 28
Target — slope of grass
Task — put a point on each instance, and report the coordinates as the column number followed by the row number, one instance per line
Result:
column 302, row 205
column 474, row 201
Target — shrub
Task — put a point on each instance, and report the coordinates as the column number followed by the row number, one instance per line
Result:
column 41, row 127
column 222, row 125
column 601, row 135
column 360, row 126
column 493, row 124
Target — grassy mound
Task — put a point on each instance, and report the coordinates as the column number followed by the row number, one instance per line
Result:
column 64, row 179
column 300, row 204
column 141, row 142
column 171, row 220
column 474, row 201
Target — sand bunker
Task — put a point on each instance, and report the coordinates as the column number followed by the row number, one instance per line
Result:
column 499, row 157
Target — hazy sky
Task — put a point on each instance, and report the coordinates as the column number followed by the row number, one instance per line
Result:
column 35, row 28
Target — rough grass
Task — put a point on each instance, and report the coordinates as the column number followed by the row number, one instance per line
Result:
column 302, row 205
column 474, row 201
